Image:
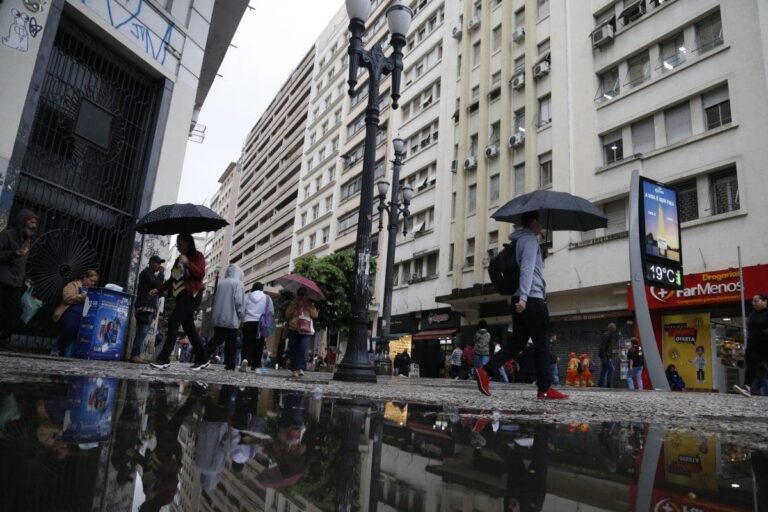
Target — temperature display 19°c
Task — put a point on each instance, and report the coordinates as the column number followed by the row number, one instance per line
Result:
column 663, row 274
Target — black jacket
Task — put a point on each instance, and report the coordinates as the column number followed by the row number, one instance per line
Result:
column 757, row 334
column 12, row 266
column 605, row 350
column 148, row 281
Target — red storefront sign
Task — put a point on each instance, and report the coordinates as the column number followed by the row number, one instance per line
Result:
column 708, row 288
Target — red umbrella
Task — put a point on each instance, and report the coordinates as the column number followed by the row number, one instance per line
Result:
column 292, row 283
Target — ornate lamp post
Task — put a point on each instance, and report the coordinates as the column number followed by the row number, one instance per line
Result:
column 356, row 366
column 398, row 205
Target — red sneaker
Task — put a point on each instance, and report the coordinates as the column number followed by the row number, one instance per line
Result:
column 483, row 381
column 551, row 394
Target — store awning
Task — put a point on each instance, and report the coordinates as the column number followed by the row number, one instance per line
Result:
column 435, row 334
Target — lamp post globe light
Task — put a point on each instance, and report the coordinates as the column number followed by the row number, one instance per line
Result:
column 355, row 366
column 398, row 204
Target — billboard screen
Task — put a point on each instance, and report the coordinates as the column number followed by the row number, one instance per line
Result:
column 660, row 230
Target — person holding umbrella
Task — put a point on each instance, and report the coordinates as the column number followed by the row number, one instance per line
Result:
column 186, row 285
column 300, row 315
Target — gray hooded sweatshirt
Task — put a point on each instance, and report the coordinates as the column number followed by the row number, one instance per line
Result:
column 532, row 282
column 229, row 301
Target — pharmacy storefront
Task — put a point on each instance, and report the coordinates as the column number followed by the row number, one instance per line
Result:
column 699, row 328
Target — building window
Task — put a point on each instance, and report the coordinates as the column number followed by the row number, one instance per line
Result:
column 473, row 145
column 519, row 65
column 471, row 199
column 493, row 193
column 519, row 179
column 450, row 257
column 347, row 221
column 613, row 147
column 520, row 18
column 432, row 260
column 476, row 54
column 519, row 125
column 687, row 200
column 639, row 70
column 678, row 122
column 672, row 52
column 709, row 33
column 616, row 212
column 351, row 187
column 475, row 93
column 609, row 85
column 543, row 47
column 643, row 136
column 303, row 219
column 315, row 211
column 469, row 261
column 335, row 144
column 543, row 9
column 717, row 107
column 545, row 170
column 724, row 187
column 321, row 154
column 326, row 235
column 328, row 203
column 545, row 111
column 633, row 9
column 312, row 241
column 453, row 206
column 300, row 247
column 496, row 38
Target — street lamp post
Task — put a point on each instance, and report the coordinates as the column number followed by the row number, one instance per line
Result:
column 399, row 203
column 356, row 366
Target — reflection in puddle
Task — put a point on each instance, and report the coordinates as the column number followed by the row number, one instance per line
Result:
column 104, row 444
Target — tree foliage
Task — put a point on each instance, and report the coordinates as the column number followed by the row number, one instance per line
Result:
column 335, row 275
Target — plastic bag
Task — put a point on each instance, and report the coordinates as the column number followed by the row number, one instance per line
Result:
column 30, row 305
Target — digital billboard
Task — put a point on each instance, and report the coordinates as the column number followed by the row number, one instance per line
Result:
column 660, row 235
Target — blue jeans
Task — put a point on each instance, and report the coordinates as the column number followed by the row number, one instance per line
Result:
column 69, row 327
column 298, row 345
column 503, row 374
column 138, row 341
column 554, row 374
column 759, row 384
column 606, row 373
column 481, row 361
column 635, row 379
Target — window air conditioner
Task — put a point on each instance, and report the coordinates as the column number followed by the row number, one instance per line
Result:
column 518, row 81
column 541, row 69
column 456, row 32
column 454, row 165
column 602, row 35
column 517, row 140
column 470, row 163
column 518, row 34
column 474, row 23
column 492, row 151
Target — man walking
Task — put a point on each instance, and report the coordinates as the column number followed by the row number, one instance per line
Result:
column 145, row 311
column 605, row 353
column 530, row 316
column 258, row 309
column 14, row 250
column 228, row 312
column 636, row 365
column 482, row 345
column 553, row 360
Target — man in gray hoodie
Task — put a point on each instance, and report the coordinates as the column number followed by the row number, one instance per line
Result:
column 530, row 316
column 228, row 312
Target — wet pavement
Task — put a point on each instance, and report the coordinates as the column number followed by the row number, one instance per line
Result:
column 111, row 443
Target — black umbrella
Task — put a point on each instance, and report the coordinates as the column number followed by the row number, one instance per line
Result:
column 558, row 211
column 173, row 219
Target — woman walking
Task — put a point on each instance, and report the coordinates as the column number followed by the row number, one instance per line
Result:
column 186, row 285
column 756, row 357
column 300, row 314
column 259, row 313
column 70, row 311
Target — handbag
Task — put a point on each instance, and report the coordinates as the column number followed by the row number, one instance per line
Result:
column 30, row 305
column 305, row 324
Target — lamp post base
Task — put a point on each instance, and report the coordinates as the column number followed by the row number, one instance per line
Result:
column 355, row 372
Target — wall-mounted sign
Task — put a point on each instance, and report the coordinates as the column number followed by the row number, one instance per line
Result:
column 661, row 246
column 440, row 319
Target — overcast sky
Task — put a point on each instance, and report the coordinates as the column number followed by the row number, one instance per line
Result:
column 271, row 40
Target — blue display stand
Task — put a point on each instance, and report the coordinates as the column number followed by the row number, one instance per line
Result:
column 104, row 324
column 90, row 405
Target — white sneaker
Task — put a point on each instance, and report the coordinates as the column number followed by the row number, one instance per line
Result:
column 301, row 373
column 202, row 366
column 744, row 391
column 295, row 374
column 160, row 366
column 244, row 365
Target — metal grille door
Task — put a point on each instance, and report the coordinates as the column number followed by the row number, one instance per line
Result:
column 85, row 165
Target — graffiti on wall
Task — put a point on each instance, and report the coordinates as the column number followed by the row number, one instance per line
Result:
column 22, row 26
column 139, row 21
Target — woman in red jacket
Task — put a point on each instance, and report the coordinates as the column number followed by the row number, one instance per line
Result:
column 186, row 285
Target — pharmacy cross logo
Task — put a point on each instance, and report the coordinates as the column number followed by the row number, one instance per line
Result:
column 665, row 506
column 660, row 294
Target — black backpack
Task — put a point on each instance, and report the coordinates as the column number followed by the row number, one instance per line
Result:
column 504, row 270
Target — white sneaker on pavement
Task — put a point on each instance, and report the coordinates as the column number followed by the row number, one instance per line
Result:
column 744, row 391
column 244, row 365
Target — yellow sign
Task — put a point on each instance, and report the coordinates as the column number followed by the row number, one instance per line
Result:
column 690, row 461
column 688, row 345
column 398, row 345
column 396, row 413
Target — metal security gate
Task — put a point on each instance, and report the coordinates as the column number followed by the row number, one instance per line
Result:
column 85, row 166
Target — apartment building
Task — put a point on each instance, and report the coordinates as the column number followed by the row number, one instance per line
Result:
column 596, row 90
column 219, row 243
column 267, row 198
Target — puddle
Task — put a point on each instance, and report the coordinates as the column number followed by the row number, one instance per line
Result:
column 79, row 443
